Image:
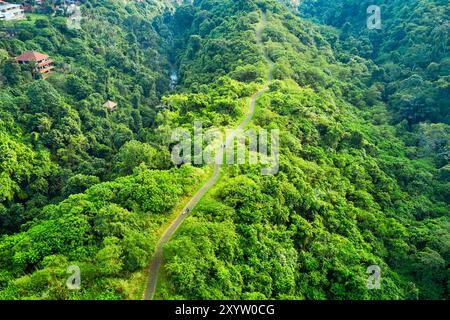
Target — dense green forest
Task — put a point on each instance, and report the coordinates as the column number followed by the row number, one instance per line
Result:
column 57, row 140
column 365, row 148
column 357, row 187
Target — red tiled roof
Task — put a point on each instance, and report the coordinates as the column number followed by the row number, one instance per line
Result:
column 31, row 56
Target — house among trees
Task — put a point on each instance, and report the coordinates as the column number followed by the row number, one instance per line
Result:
column 110, row 105
column 11, row 11
column 44, row 64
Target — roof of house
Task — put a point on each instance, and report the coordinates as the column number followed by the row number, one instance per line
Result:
column 110, row 104
column 6, row 5
column 32, row 56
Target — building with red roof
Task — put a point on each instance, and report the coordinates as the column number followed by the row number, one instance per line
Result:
column 44, row 64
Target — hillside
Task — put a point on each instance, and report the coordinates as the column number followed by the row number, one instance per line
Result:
column 347, row 195
column 363, row 175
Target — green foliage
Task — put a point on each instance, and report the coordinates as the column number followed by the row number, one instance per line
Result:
column 364, row 153
column 56, row 136
column 411, row 51
column 106, row 231
column 352, row 191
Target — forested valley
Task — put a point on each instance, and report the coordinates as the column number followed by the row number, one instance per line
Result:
column 364, row 179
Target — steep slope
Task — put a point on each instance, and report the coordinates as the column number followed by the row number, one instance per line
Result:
column 57, row 139
column 73, row 141
column 412, row 66
column 349, row 193
column 157, row 260
column 347, row 196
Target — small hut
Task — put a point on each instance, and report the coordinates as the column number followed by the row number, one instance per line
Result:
column 110, row 105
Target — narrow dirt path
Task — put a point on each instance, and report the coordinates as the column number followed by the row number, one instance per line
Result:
column 158, row 256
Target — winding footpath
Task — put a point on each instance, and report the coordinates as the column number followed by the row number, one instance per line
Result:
column 157, row 260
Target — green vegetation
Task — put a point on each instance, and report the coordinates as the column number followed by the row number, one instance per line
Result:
column 411, row 51
column 110, row 231
column 59, row 139
column 364, row 161
column 351, row 192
